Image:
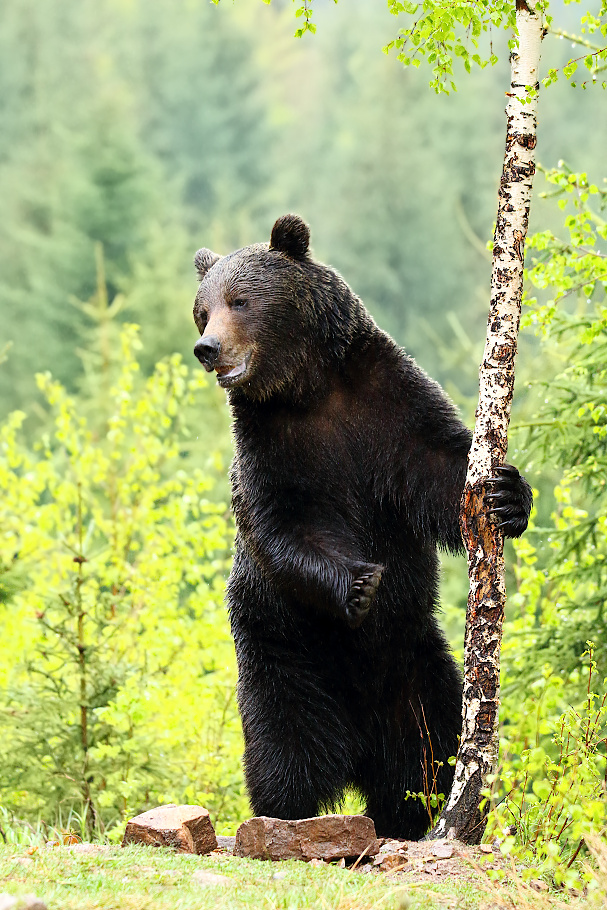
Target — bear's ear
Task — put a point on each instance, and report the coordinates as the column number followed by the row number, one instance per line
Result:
column 291, row 235
column 203, row 260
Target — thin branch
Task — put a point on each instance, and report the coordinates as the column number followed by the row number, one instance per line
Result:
column 575, row 39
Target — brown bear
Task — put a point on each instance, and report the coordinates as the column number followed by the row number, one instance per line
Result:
column 348, row 473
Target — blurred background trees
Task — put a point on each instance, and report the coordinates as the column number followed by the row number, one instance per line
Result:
column 135, row 132
column 154, row 128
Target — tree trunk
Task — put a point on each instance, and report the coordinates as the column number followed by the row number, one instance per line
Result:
column 462, row 816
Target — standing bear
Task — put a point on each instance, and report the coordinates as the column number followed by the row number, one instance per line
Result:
column 348, row 472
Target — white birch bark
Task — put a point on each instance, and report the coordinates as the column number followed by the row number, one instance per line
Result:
column 477, row 755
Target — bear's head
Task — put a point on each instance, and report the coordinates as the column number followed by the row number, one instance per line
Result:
column 270, row 318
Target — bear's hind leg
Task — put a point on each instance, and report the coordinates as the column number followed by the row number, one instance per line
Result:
column 287, row 783
column 297, row 749
column 411, row 823
column 413, row 741
column 395, row 814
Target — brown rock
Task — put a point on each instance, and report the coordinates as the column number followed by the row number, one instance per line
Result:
column 187, row 829
column 393, row 846
column 538, row 885
column 327, row 837
column 390, row 862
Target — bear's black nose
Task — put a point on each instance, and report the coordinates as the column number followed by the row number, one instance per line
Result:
column 207, row 350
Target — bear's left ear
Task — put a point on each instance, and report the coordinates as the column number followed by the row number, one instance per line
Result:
column 291, row 235
column 203, row 260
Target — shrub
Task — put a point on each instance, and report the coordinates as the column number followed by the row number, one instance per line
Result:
column 116, row 665
column 552, row 778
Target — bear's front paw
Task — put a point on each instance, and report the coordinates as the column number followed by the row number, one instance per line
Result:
column 510, row 500
column 362, row 593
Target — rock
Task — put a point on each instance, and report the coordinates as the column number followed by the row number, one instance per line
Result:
column 486, row 848
column 326, row 837
column 538, row 885
column 389, row 862
column 443, row 851
column 94, row 849
column 226, row 842
column 201, row 877
column 391, row 856
column 187, row 829
column 393, row 846
column 26, row 902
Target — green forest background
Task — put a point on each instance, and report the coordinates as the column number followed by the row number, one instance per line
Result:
column 135, row 132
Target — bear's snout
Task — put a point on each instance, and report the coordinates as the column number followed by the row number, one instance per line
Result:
column 207, row 350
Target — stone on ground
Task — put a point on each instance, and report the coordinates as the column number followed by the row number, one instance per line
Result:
column 226, row 842
column 27, row 902
column 187, row 829
column 327, row 837
column 202, row 877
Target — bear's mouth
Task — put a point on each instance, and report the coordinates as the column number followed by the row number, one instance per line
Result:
column 232, row 376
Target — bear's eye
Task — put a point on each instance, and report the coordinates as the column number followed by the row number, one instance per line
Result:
column 239, row 303
column 201, row 319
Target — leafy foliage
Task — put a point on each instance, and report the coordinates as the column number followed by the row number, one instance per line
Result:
column 554, row 695
column 594, row 57
column 551, row 791
column 561, row 571
column 117, row 669
column 442, row 32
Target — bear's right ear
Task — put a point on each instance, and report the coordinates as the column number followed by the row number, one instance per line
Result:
column 291, row 235
column 203, row 260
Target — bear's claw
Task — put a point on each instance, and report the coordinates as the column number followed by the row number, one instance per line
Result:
column 361, row 596
column 510, row 500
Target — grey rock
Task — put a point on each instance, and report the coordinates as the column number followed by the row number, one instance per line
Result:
column 226, row 842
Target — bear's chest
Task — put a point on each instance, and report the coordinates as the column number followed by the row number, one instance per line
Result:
column 313, row 441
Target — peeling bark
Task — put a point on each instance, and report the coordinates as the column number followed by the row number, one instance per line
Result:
column 462, row 816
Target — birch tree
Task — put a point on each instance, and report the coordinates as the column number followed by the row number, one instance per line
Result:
column 442, row 32
column 477, row 756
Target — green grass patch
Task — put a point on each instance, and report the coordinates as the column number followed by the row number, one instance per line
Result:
column 140, row 878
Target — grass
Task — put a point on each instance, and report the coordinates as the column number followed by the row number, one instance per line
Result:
column 140, row 878
column 144, row 878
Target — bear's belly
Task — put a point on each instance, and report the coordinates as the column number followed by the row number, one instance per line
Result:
column 276, row 634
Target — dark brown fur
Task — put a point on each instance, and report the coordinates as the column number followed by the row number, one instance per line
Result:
column 347, row 476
